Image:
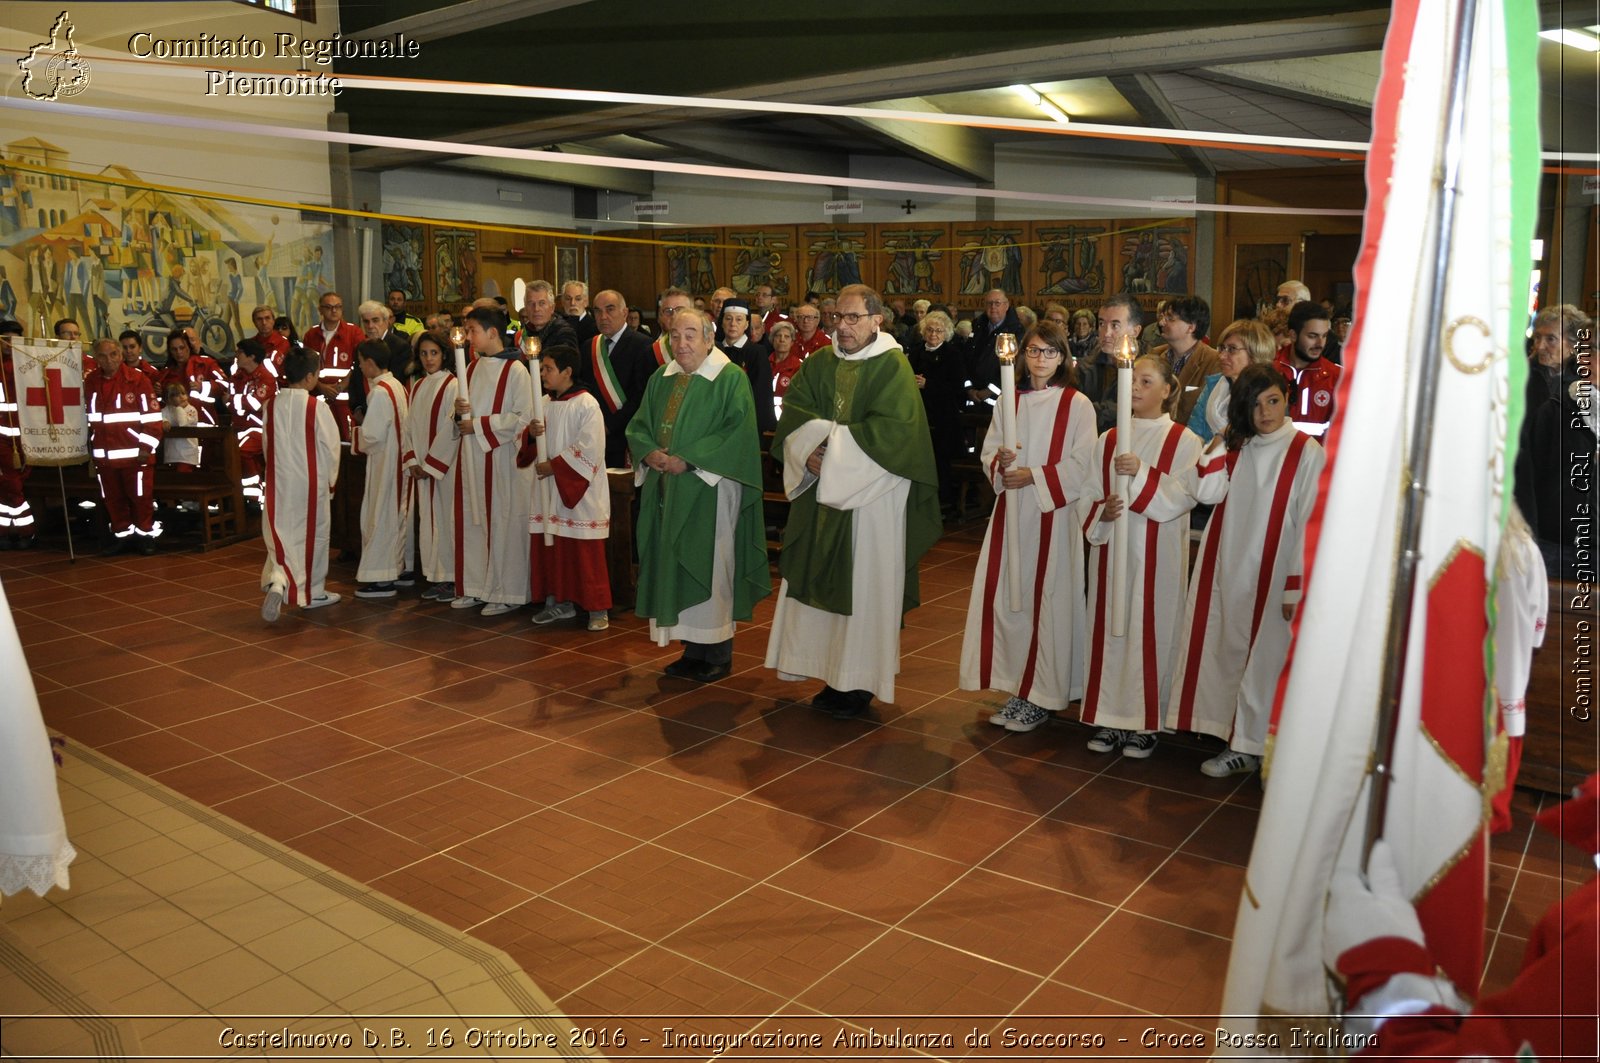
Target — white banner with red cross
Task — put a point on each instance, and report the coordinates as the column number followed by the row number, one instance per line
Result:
column 50, row 402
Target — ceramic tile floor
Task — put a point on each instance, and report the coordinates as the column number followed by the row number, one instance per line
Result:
column 642, row 845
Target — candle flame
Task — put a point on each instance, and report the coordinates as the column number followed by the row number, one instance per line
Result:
column 458, row 337
column 531, row 345
column 1005, row 348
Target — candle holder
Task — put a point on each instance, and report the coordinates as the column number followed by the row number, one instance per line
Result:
column 531, row 346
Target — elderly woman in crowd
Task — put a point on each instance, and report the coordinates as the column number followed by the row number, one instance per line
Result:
column 937, row 359
column 1241, row 343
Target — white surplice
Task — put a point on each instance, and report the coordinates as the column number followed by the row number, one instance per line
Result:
column 385, row 501
column 430, row 445
column 300, row 456
column 493, row 495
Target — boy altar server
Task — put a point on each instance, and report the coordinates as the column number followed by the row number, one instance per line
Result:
column 301, row 453
column 385, row 502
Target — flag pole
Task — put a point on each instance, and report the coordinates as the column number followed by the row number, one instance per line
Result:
column 1397, row 637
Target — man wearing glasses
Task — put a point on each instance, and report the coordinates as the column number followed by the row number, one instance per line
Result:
column 672, row 300
column 1291, row 292
column 1182, row 322
column 858, row 470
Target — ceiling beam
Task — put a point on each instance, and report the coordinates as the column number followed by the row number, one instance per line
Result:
column 1141, row 53
column 748, row 147
column 1146, row 97
column 605, row 178
column 964, row 152
column 456, row 19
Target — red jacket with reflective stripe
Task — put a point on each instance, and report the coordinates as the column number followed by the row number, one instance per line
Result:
column 124, row 421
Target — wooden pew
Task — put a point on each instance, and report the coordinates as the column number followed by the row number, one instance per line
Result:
column 216, row 482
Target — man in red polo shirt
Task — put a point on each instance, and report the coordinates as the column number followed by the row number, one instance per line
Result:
column 1316, row 380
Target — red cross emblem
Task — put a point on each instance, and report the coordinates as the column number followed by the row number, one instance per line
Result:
column 53, row 397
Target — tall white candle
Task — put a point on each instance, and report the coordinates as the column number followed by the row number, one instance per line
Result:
column 531, row 346
column 1005, row 349
column 458, row 339
column 1118, row 586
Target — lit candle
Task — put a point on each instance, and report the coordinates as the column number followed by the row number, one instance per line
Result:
column 531, row 346
column 1118, row 587
column 458, row 339
column 1005, row 349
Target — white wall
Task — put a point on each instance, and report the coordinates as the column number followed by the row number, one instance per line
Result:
column 475, row 199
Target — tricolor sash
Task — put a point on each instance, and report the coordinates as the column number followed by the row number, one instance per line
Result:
column 605, row 377
column 662, row 349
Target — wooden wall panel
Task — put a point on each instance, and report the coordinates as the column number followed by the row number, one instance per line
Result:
column 988, row 255
column 914, row 261
column 832, row 256
column 628, row 268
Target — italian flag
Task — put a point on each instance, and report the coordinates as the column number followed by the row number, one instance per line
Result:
column 1313, row 818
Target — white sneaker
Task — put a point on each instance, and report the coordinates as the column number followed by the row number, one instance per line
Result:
column 599, row 619
column 559, row 611
column 466, row 601
column 498, row 609
column 1230, row 762
column 272, row 606
column 1028, row 718
column 325, row 598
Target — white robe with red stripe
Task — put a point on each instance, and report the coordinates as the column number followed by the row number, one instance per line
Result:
column 430, row 445
column 1036, row 653
column 385, row 502
column 1129, row 676
column 493, row 495
column 577, row 497
column 300, row 451
column 1235, row 639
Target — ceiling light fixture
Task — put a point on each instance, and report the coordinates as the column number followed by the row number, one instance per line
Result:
column 1043, row 102
column 1585, row 42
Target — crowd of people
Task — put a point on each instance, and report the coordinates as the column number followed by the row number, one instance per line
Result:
column 491, row 491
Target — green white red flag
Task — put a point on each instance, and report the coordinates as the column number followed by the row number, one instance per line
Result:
column 1313, row 819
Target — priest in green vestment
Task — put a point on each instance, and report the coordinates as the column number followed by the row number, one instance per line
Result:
column 864, row 507
column 702, row 545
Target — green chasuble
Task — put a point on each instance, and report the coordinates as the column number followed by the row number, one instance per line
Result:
column 711, row 424
column 877, row 399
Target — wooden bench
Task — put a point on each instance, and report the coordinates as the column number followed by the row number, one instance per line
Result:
column 214, row 486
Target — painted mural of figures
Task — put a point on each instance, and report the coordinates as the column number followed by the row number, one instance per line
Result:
column 8, row 297
column 262, row 264
column 996, row 262
column 41, row 282
column 756, row 264
column 74, row 283
column 232, row 296
column 99, row 300
column 308, row 288
column 834, row 264
column 1138, row 269
column 1172, row 266
column 1071, row 262
column 705, row 274
column 467, row 267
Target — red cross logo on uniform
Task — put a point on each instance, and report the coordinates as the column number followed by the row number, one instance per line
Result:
column 53, row 397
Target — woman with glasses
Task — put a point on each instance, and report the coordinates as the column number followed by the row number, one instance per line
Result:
column 938, row 360
column 1242, row 343
column 1035, row 654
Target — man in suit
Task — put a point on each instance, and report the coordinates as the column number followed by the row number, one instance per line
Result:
column 575, row 308
column 617, row 364
column 998, row 317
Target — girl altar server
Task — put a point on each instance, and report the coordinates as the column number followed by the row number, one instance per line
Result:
column 1129, row 676
column 430, row 458
column 1037, row 653
column 1261, row 474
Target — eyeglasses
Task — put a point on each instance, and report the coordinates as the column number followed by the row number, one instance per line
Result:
column 1042, row 353
column 332, row 306
column 1285, row 300
column 1232, row 348
column 851, row 319
column 667, row 311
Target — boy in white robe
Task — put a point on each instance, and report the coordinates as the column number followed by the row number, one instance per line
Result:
column 572, row 498
column 300, row 452
column 492, row 495
column 385, row 502
column 430, row 458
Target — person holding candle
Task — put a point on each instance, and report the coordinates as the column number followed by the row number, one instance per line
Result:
column 1036, row 654
column 385, row 502
column 1129, row 674
column 575, row 507
column 491, row 515
column 1261, row 475
column 430, row 460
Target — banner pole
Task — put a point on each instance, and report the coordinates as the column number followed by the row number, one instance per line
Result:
column 66, row 514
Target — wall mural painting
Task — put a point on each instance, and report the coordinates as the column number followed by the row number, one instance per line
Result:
column 691, row 265
column 1258, row 270
column 1154, row 260
column 455, row 265
column 113, row 256
column 405, row 254
column 991, row 257
column 835, row 257
column 1072, row 259
column 760, row 260
column 913, row 259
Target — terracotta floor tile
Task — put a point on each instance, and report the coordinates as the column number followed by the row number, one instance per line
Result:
column 644, row 804
column 1126, row 1032
column 375, row 656
column 451, row 891
column 832, row 793
column 64, row 703
column 105, row 664
column 649, row 891
column 1147, row 813
column 277, row 683
column 1194, row 892
column 281, row 811
column 451, row 812
column 1012, row 922
column 362, row 783
column 1228, row 835
column 748, row 838
column 962, row 716
column 212, row 780
column 565, row 669
column 101, row 727
column 952, row 827
column 543, row 850
column 485, row 694
column 1531, row 896
column 240, row 727
column 566, row 948
column 716, row 708
column 553, row 772
column 470, row 746
column 1502, row 963
column 43, row 655
column 1501, row 878
column 662, row 984
column 302, row 752
column 1152, row 965
column 1176, row 768
column 1089, row 863
column 873, row 878
column 356, row 848
column 337, row 700
column 640, row 687
column 729, row 764
column 905, row 755
column 1061, row 742
column 400, row 722
column 799, row 728
column 174, row 698
column 500, row 651
column 931, row 676
column 901, row 974
column 556, row 713
column 154, row 751
column 640, row 738
column 1020, row 783
column 777, row 940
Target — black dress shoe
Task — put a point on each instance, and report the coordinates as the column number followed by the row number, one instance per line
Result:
column 827, row 699
column 147, row 545
column 113, row 548
column 683, row 668
column 853, row 704
column 710, row 673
